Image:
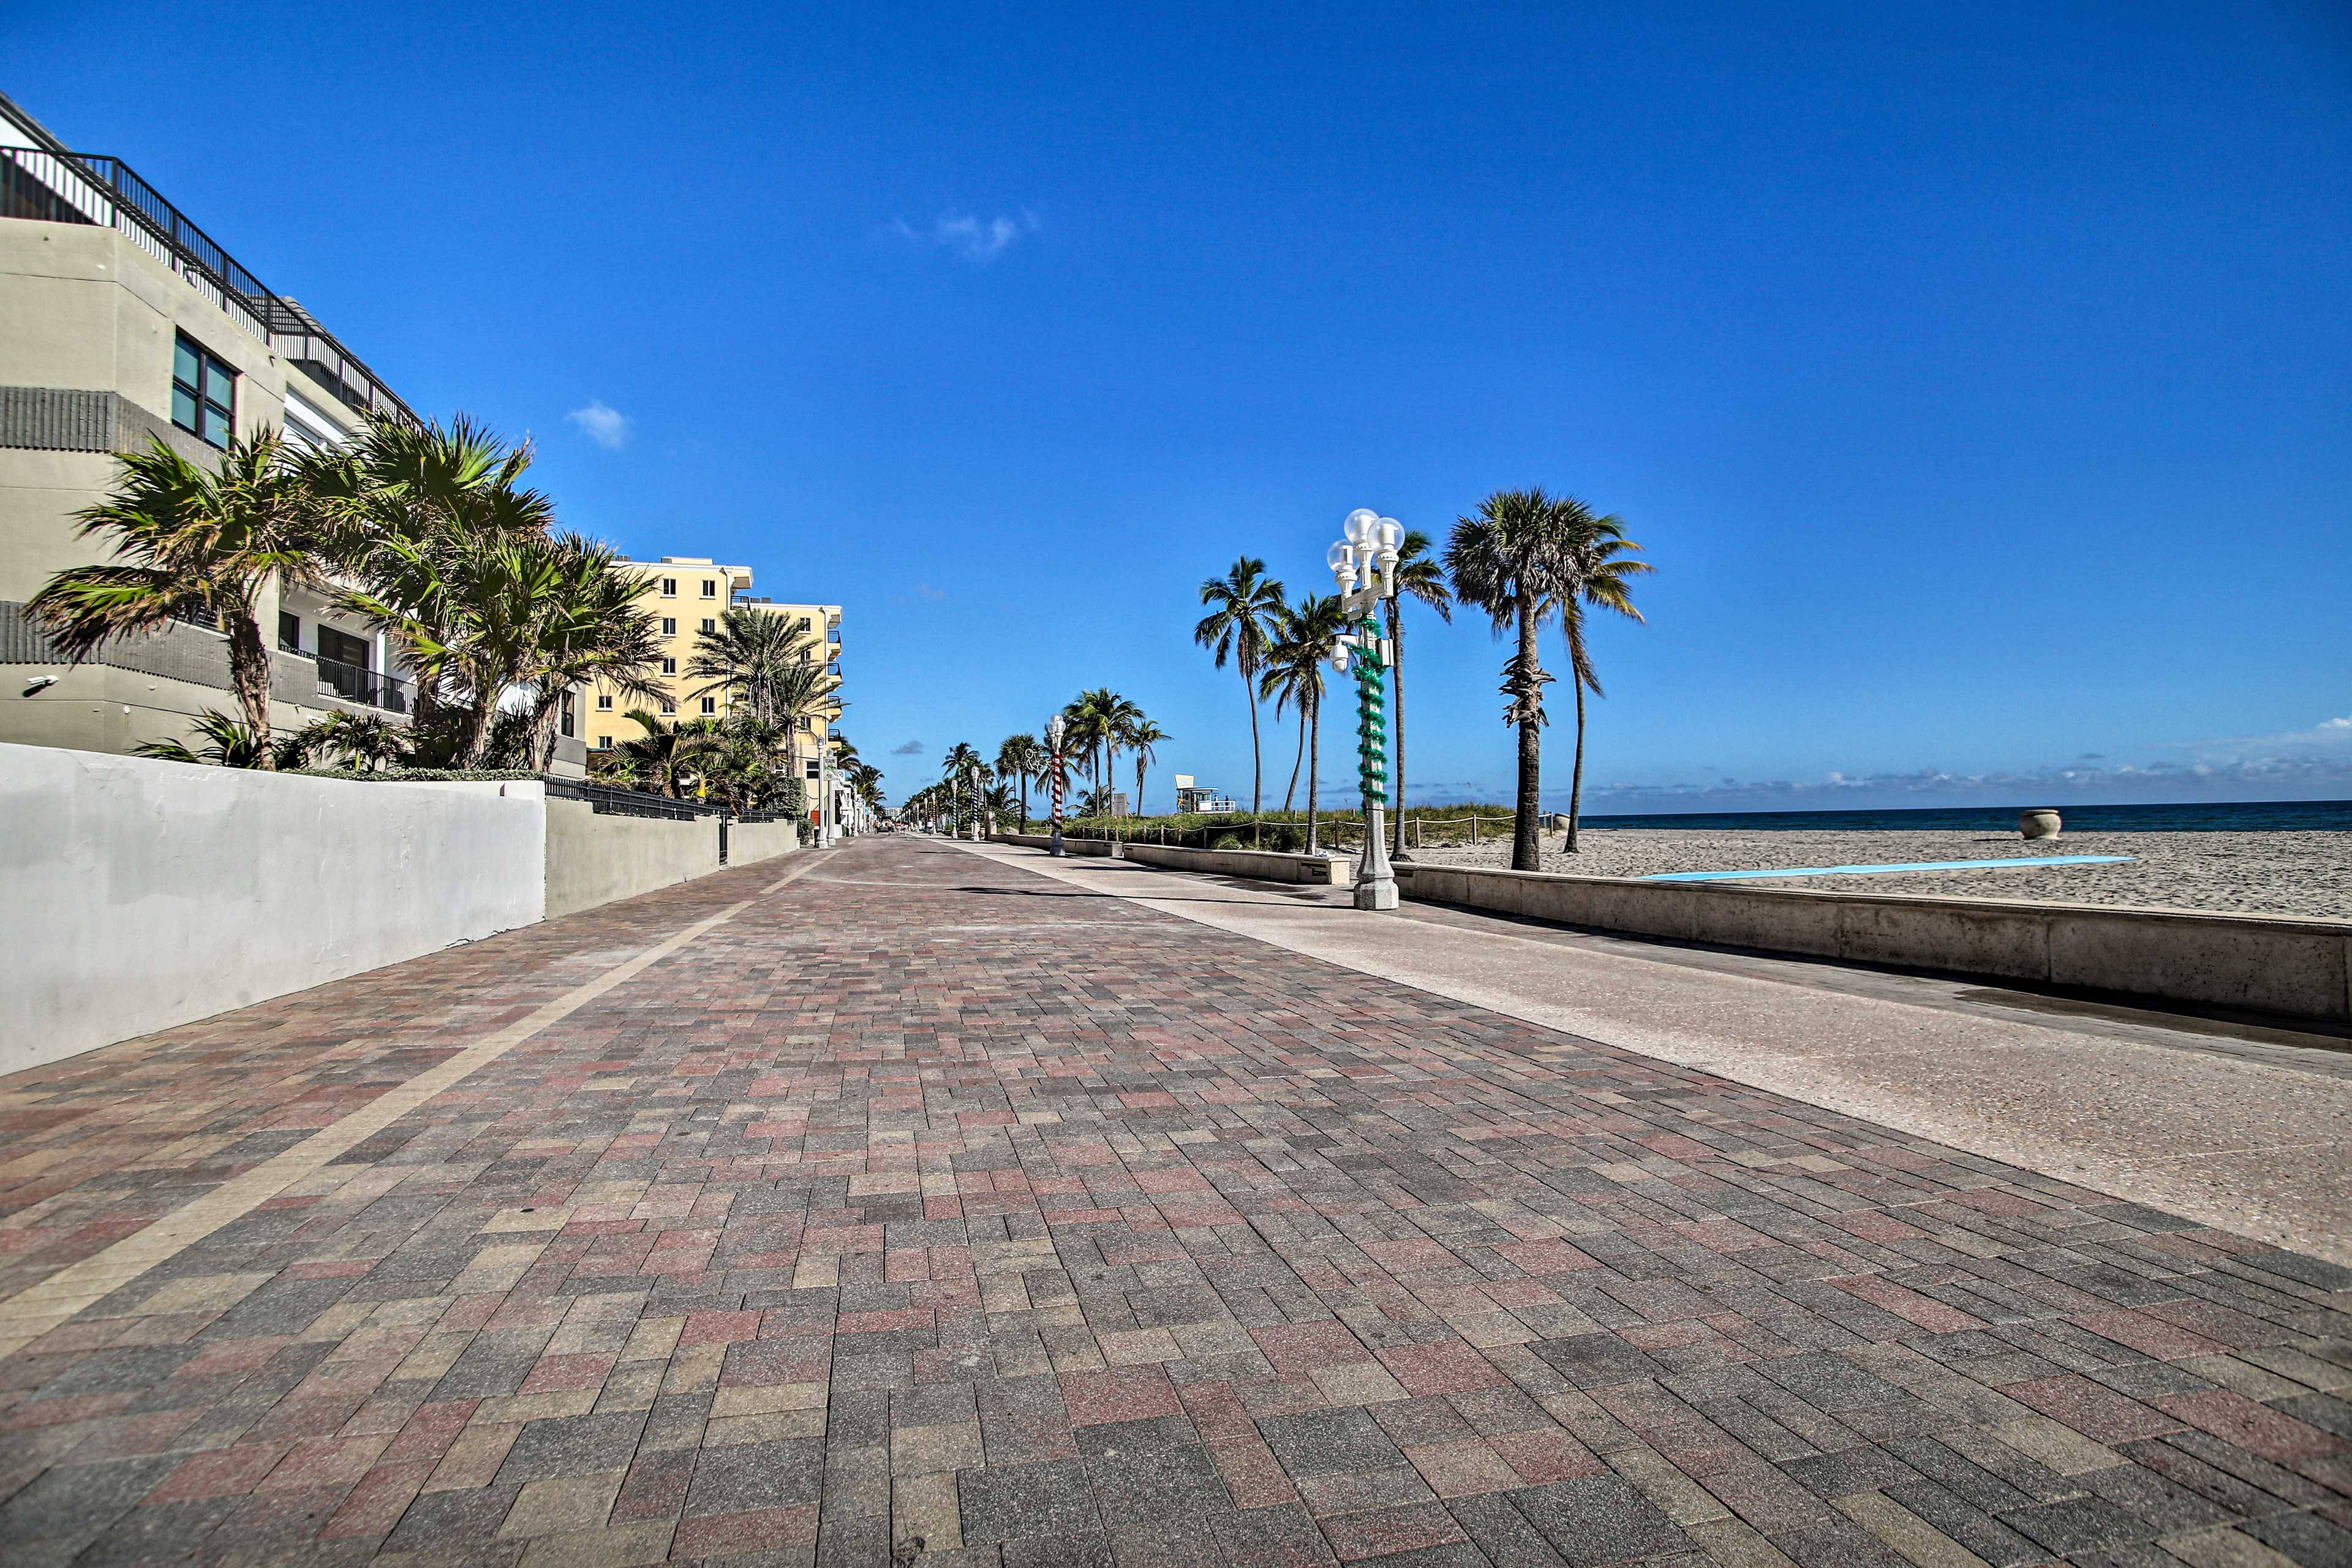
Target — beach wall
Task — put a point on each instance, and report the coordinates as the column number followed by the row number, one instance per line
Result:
column 2292, row 968
column 1098, row 847
column 1318, row 870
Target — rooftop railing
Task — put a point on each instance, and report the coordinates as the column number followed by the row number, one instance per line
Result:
column 98, row 189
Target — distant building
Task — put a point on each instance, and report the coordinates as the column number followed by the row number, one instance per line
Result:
column 1196, row 798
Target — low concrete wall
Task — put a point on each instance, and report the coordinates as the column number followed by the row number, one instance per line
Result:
column 137, row 894
column 2294, row 968
column 749, row 843
column 593, row 859
column 1319, row 871
column 1098, row 847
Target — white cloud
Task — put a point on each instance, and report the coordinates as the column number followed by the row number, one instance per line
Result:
column 911, row 748
column 608, row 426
column 975, row 239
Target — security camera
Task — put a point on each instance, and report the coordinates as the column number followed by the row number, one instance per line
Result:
column 39, row 683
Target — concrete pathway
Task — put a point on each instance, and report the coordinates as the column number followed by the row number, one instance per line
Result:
column 936, row 1210
column 2221, row 1124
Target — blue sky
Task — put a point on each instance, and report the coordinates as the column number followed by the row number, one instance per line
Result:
column 1976, row 376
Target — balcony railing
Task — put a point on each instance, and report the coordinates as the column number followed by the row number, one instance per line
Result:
column 371, row 687
column 94, row 188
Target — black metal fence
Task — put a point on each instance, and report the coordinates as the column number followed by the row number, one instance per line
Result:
column 607, row 801
column 358, row 683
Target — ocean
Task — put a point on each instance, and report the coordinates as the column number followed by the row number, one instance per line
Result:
column 2227, row 817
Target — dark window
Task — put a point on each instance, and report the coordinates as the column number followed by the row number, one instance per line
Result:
column 709, row 626
column 343, row 648
column 669, row 706
column 669, row 588
column 816, row 768
column 805, row 623
column 669, row 667
column 669, row 626
column 203, row 392
column 566, row 720
column 710, row 705
column 709, row 589
column 289, row 633
column 604, row 742
column 603, row 702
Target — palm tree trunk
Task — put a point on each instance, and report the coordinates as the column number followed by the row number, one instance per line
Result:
column 1138, row 802
column 1314, row 756
column 248, row 666
column 1024, row 803
column 1576, row 785
column 1257, row 758
column 1526, row 849
column 1396, row 722
column 1290, row 794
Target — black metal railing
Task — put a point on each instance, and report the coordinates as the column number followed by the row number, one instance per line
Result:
column 99, row 189
column 607, row 801
column 373, row 688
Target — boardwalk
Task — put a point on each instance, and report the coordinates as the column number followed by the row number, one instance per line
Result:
column 939, row 1209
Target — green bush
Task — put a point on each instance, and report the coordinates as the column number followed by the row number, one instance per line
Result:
column 423, row 776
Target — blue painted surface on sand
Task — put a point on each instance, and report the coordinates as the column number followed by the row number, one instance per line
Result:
column 1907, row 866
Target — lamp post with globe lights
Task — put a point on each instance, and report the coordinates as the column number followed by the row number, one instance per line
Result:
column 1363, row 563
column 1054, row 730
column 971, row 788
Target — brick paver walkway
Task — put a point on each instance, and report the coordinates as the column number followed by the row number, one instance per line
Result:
column 933, row 1199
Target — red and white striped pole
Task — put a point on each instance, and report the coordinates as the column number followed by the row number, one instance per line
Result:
column 1054, row 741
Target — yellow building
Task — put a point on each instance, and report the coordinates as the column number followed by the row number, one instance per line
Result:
column 815, row 740
column 690, row 593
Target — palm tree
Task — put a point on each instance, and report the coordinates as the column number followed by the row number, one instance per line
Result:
column 1598, row 572
column 228, row 744
column 751, row 654
column 591, row 628
column 188, row 542
column 1293, row 673
column 1506, row 562
column 1143, row 741
column 803, row 694
column 958, row 767
column 1091, row 719
column 1244, row 606
column 666, row 753
column 366, row 740
column 1418, row 576
column 1119, row 729
column 1020, row 757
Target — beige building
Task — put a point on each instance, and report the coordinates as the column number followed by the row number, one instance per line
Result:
column 121, row 321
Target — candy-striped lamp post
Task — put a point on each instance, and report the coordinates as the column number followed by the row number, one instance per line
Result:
column 1364, row 564
column 1054, row 728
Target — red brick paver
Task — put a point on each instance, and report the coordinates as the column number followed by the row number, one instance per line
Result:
column 937, row 1200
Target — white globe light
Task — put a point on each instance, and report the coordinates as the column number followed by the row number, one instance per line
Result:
column 1359, row 523
column 1391, row 532
column 1341, row 558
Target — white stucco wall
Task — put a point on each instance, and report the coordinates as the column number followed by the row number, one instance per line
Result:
column 594, row 858
column 136, row 894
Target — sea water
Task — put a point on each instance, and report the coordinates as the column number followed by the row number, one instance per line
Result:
column 2228, row 816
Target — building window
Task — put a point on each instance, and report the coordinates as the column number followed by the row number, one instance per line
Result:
column 670, row 665
column 669, row 626
column 710, row 705
column 289, row 633
column 341, row 647
column 709, row 626
column 565, row 722
column 668, row 705
column 709, row 589
column 604, row 742
column 603, row 702
column 816, row 768
column 804, row 723
column 669, row 588
column 805, row 623
column 203, row 392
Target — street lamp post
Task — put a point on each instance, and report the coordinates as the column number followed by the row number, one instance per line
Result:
column 971, row 785
column 1364, row 564
column 1053, row 729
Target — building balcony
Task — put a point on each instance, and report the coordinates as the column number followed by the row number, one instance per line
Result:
column 356, row 683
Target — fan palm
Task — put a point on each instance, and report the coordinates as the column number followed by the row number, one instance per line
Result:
column 228, row 744
column 1143, row 741
column 666, row 755
column 1293, row 675
column 750, row 653
column 191, row 542
column 1419, row 575
column 1244, row 606
column 1020, row 757
column 1506, row 560
column 1596, row 571
column 365, row 740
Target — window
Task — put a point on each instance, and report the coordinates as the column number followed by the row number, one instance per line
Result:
column 709, row 589
column 668, row 705
column 805, row 623
column 603, row 702
column 710, row 705
column 289, row 633
column 669, row 588
column 669, row 626
column 203, row 392
column 669, row 667
column 709, row 626
column 604, row 742
column 565, row 723
column 816, row 768
column 804, row 723
column 341, row 647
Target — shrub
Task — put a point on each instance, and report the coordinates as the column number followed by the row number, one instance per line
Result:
column 423, row 776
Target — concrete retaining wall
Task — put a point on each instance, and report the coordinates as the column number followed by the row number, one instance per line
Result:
column 2294, row 968
column 1098, row 847
column 1319, row 871
column 137, row 894
column 748, row 843
column 594, row 859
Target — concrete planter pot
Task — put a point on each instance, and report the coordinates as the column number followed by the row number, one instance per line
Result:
column 2037, row 822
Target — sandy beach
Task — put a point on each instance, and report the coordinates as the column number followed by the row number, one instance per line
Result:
column 2307, row 874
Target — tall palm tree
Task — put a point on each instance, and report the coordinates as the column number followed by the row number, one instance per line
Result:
column 1596, row 571
column 1119, row 729
column 1419, row 576
column 802, row 696
column 669, row 752
column 751, row 654
column 1506, row 560
column 1020, row 757
column 1244, row 606
column 189, row 543
column 1293, row 673
column 1143, row 740
column 592, row 627
column 958, row 767
column 1092, row 720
